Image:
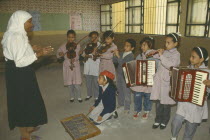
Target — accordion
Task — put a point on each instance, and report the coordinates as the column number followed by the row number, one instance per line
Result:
column 187, row 85
column 139, row 72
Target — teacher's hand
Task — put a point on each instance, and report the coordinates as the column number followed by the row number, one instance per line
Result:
column 44, row 51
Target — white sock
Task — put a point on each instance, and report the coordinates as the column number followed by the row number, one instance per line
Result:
column 72, row 99
column 79, row 99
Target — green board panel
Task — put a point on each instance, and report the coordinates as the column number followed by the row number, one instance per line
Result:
column 54, row 21
column 4, row 18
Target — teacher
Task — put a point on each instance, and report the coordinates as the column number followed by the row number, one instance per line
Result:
column 26, row 109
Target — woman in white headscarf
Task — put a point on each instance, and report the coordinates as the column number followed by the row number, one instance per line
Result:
column 26, row 109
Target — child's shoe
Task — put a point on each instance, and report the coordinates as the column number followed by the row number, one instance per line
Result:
column 162, row 126
column 145, row 115
column 155, row 125
column 71, row 100
column 80, row 100
column 87, row 98
column 115, row 114
column 136, row 115
column 173, row 138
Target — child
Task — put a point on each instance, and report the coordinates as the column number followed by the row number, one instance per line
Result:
column 169, row 57
column 147, row 45
column 91, row 68
column 72, row 78
column 193, row 114
column 106, row 58
column 124, row 93
column 106, row 103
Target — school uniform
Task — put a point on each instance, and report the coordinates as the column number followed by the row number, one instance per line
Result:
column 91, row 72
column 143, row 91
column 105, row 105
column 124, row 93
column 24, row 101
column 161, row 86
column 72, row 78
column 106, row 62
column 191, row 113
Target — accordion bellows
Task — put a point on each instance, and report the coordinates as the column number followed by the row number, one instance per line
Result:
column 187, row 85
column 139, row 72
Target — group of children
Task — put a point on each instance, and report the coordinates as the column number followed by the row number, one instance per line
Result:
column 101, row 74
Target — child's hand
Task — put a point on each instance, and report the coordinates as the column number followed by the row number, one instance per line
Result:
column 91, row 109
column 160, row 51
column 99, row 119
column 207, row 83
column 116, row 53
column 61, row 54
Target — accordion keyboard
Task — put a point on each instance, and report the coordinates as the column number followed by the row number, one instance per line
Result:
column 199, row 88
column 187, row 86
column 150, row 72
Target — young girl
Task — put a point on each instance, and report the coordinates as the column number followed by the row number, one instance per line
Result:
column 169, row 57
column 106, row 103
column 91, row 68
column 124, row 93
column 147, row 45
column 106, row 58
column 72, row 77
column 193, row 114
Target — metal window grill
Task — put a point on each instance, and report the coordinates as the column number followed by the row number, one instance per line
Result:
column 198, row 18
column 134, row 16
column 106, row 17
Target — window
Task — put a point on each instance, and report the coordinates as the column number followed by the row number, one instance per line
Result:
column 172, row 16
column 197, row 23
column 142, row 16
column 118, row 14
column 106, row 20
column 134, row 16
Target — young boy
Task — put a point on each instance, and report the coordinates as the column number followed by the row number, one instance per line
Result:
column 124, row 93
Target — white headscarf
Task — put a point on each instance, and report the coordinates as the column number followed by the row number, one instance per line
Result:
column 15, row 40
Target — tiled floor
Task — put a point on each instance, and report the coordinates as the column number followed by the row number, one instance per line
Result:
column 56, row 98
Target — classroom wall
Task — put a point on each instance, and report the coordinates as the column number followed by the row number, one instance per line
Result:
column 60, row 9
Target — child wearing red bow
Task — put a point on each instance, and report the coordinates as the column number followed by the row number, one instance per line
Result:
column 105, row 105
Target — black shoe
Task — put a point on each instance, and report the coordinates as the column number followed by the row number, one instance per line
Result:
column 155, row 125
column 80, row 100
column 115, row 115
column 162, row 126
column 87, row 98
column 72, row 100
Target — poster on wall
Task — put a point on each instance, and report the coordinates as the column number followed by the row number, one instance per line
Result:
column 76, row 21
column 36, row 20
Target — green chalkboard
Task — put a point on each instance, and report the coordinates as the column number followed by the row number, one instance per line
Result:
column 49, row 21
column 4, row 18
column 54, row 21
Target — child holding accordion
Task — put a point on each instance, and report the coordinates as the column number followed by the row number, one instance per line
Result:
column 191, row 113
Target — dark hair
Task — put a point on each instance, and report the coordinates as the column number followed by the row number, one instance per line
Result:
column 175, row 37
column 93, row 33
column 108, row 34
column 71, row 32
column 204, row 52
column 133, row 43
column 149, row 40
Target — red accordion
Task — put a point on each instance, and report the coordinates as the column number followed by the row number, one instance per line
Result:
column 139, row 72
column 187, row 85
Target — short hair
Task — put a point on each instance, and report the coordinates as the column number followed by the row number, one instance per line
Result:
column 71, row 32
column 149, row 40
column 132, row 42
column 108, row 34
column 93, row 33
